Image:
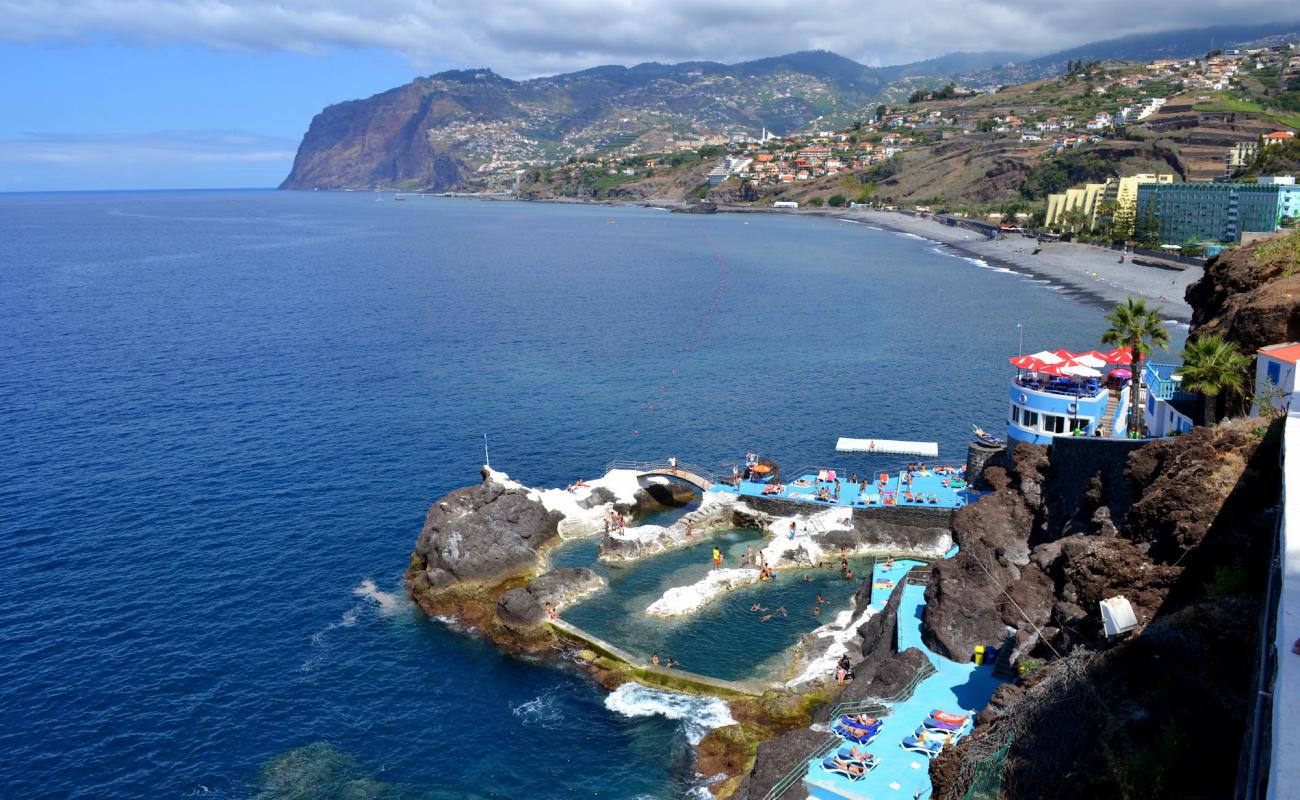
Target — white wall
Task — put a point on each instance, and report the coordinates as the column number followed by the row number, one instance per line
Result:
column 1263, row 384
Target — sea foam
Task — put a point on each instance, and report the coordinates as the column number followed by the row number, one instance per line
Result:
column 698, row 715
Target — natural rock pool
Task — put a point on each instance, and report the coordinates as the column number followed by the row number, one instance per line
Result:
column 725, row 639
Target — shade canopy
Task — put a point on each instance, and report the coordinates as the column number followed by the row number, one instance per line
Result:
column 1064, row 354
column 1080, row 370
column 1025, row 362
column 1091, row 359
column 1121, row 373
column 1052, row 369
column 1048, row 357
column 1120, row 355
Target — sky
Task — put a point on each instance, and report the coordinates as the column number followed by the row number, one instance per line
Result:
column 132, row 94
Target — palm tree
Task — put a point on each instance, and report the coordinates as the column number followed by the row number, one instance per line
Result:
column 1133, row 324
column 1212, row 366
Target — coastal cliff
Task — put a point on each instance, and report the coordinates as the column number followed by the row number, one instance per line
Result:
column 1112, row 717
column 1251, row 295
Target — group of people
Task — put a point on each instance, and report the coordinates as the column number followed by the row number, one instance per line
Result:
column 615, row 521
column 755, row 559
column 843, row 670
column 667, row 662
column 766, row 614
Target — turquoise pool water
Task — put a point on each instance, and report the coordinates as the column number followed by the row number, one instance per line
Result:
column 724, row 639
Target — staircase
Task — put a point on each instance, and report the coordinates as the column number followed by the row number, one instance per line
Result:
column 1108, row 416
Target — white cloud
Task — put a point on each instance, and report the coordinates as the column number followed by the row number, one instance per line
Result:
column 519, row 38
column 153, row 149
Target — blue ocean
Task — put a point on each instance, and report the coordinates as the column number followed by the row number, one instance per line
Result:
column 225, row 414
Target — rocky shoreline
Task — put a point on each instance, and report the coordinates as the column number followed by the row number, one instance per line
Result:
column 1181, row 528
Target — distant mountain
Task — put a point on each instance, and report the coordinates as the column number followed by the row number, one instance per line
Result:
column 469, row 127
column 1140, row 47
column 1167, row 44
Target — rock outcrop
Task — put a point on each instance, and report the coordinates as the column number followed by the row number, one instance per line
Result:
column 775, row 759
column 647, row 540
column 522, row 609
column 565, row 586
column 1250, row 295
column 1189, row 556
column 964, row 606
column 483, row 534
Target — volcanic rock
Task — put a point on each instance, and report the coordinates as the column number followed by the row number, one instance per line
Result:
column 483, row 534
column 565, row 586
column 519, row 609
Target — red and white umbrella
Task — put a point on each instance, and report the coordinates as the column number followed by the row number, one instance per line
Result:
column 1064, row 354
column 1120, row 355
column 1048, row 357
column 1091, row 359
column 1080, row 370
column 1025, row 362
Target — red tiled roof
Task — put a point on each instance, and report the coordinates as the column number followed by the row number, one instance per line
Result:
column 1282, row 352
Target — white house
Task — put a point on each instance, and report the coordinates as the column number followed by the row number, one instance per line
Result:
column 1275, row 369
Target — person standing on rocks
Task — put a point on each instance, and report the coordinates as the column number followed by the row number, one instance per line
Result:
column 717, row 558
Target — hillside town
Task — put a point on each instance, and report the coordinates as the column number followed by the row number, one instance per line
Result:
column 1194, row 207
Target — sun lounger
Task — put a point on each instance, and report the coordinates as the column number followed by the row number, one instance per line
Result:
column 944, row 716
column 846, row 754
column 947, row 723
column 927, row 744
column 856, row 733
column 838, row 767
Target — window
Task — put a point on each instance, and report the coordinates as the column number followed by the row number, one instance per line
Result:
column 1079, row 425
column 1053, row 423
column 1015, row 413
column 1029, row 419
column 1275, row 373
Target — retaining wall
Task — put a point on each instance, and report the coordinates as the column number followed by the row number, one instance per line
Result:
column 1075, row 460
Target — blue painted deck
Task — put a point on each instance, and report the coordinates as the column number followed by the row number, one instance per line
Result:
column 956, row 688
column 926, row 487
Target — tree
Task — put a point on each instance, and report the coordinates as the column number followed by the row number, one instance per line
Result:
column 1122, row 223
column 1135, row 325
column 1146, row 228
column 1073, row 220
column 816, row 201
column 837, row 201
column 1213, row 366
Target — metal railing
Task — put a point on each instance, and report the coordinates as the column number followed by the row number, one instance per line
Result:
column 875, row 708
column 903, row 695
column 664, row 465
column 795, row 775
column 1073, row 390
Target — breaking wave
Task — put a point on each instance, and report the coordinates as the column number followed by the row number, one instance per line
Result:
column 698, row 715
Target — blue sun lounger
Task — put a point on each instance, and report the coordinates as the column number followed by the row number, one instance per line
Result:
column 829, row 764
column 927, row 743
column 945, row 725
column 855, row 733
